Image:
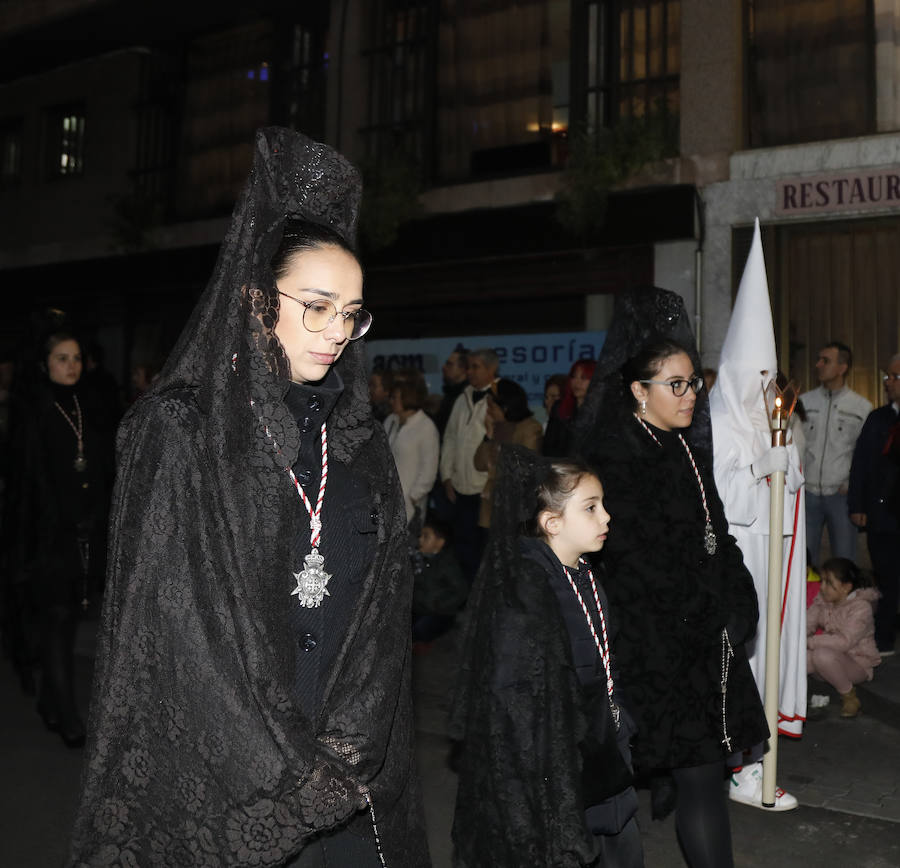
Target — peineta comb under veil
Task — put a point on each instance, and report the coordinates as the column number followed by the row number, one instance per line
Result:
column 198, row 754
column 640, row 316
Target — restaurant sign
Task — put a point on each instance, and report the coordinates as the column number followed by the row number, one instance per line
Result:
column 869, row 190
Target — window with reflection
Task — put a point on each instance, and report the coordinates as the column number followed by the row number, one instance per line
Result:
column 810, row 69
column 65, row 127
column 227, row 97
column 10, row 153
column 400, row 57
column 503, row 87
column 629, row 54
column 300, row 95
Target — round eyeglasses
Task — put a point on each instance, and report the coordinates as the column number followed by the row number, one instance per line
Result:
column 887, row 378
column 679, row 387
column 319, row 314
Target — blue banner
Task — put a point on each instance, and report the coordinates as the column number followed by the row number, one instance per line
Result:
column 528, row 359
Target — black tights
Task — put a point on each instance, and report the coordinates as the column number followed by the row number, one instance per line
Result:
column 701, row 816
column 57, row 699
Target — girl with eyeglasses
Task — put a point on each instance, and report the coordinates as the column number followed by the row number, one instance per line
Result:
column 684, row 601
column 251, row 700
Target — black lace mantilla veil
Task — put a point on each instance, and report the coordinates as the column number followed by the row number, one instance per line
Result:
column 519, row 470
column 522, row 723
column 640, row 316
column 197, row 755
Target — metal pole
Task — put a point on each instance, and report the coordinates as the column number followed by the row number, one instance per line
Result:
column 773, row 619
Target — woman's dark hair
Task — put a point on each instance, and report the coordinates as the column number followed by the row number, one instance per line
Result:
column 646, row 364
column 554, row 489
column 410, row 385
column 558, row 380
column 511, row 398
column 300, row 236
column 566, row 407
column 55, row 338
column 844, row 570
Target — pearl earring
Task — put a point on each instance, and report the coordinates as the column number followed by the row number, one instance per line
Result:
column 643, row 408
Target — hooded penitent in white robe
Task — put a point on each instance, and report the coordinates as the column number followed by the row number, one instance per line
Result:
column 741, row 435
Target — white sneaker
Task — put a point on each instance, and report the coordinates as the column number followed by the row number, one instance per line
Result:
column 745, row 787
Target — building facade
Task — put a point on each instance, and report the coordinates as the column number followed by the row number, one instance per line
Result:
column 523, row 160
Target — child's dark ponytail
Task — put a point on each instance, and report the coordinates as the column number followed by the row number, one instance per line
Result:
column 844, row 570
column 553, row 489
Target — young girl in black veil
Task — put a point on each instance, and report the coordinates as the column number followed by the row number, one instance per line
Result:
column 683, row 599
column 544, row 771
column 251, row 702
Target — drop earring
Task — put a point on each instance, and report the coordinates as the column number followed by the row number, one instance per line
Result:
column 643, row 408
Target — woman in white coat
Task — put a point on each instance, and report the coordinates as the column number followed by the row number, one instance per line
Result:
column 415, row 443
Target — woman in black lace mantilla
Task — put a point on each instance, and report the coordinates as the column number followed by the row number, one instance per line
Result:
column 251, row 701
column 683, row 598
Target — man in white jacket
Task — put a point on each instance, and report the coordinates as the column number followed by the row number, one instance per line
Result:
column 834, row 417
column 464, row 432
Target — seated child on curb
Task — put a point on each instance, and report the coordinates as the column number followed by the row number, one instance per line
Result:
column 439, row 586
column 545, row 775
column 844, row 654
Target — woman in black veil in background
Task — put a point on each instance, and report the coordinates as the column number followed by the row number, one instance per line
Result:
column 54, row 519
column 251, row 702
column 684, row 601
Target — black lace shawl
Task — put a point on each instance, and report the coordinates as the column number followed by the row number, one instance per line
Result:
column 670, row 598
column 196, row 753
column 529, row 729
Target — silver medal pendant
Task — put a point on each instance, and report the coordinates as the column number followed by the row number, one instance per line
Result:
column 312, row 581
column 80, row 464
column 616, row 716
column 709, row 540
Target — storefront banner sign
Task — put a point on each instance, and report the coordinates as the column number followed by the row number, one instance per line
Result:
column 871, row 190
column 528, row 359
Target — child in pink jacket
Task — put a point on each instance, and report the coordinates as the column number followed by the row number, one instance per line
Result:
column 844, row 654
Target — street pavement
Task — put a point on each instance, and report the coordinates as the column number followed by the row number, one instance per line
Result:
column 846, row 774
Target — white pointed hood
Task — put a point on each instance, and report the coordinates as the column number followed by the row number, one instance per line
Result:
column 747, row 363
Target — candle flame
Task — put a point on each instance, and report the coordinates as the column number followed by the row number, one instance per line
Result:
column 778, row 401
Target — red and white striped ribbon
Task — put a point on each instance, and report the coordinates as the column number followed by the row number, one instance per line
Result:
column 315, row 515
column 602, row 650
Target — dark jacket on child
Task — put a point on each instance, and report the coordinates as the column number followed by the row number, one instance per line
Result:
column 439, row 586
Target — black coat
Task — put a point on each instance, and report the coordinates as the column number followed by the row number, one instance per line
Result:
column 874, row 476
column 50, row 504
column 672, row 600
column 212, row 742
column 560, row 434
